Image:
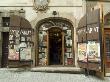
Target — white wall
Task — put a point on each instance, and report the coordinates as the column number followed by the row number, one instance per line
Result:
column 30, row 2
column 62, row 6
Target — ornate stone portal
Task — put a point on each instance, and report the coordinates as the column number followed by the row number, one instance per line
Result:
column 48, row 29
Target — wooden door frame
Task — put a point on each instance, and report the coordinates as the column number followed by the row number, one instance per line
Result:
column 106, row 30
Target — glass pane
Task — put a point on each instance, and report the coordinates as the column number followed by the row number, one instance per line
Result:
column 68, row 48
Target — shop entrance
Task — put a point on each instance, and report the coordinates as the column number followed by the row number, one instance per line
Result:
column 5, row 41
column 55, row 46
column 107, row 50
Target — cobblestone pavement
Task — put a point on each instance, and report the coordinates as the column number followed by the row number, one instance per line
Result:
column 27, row 76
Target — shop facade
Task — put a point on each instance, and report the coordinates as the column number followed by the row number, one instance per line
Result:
column 47, row 24
column 50, row 43
column 16, row 42
column 90, row 49
column 55, row 36
column 93, row 42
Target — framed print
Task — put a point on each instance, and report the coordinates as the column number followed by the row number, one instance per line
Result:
column 11, row 37
column 68, row 50
column 67, row 55
column 28, row 39
column 93, row 50
column 69, row 61
column 43, row 55
column 40, row 55
column 82, row 51
column 25, row 53
column 17, row 41
column 69, row 43
column 13, row 54
column 69, row 32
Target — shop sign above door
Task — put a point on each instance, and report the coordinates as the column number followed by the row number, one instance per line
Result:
column 41, row 5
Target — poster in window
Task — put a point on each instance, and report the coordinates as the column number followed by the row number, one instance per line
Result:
column 82, row 55
column 67, row 55
column 28, row 39
column 11, row 37
column 23, row 39
column 40, row 55
column 68, row 42
column 69, row 32
column 69, row 61
column 13, row 54
column 93, row 50
column 68, row 50
column 25, row 53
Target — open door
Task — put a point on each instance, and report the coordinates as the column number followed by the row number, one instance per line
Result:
column 5, row 40
column 107, row 51
column 55, row 45
column 90, row 46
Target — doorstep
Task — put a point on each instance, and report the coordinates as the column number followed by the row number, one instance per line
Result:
column 107, row 74
column 47, row 69
column 58, row 69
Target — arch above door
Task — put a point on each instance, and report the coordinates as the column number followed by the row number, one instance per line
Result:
column 42, row 42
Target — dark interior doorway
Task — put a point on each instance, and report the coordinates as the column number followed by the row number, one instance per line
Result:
column 5, row 41
column 107, row 49
column 55, row 46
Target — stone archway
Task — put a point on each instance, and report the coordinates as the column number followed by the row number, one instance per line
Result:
column 42, row 53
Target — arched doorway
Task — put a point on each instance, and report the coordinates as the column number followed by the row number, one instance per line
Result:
column 55, row 46
column 51, row 31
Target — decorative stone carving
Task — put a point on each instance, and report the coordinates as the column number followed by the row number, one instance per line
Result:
column 41, row 5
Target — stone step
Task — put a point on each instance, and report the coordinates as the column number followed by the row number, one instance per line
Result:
column 57, row 69
column 47, row 69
